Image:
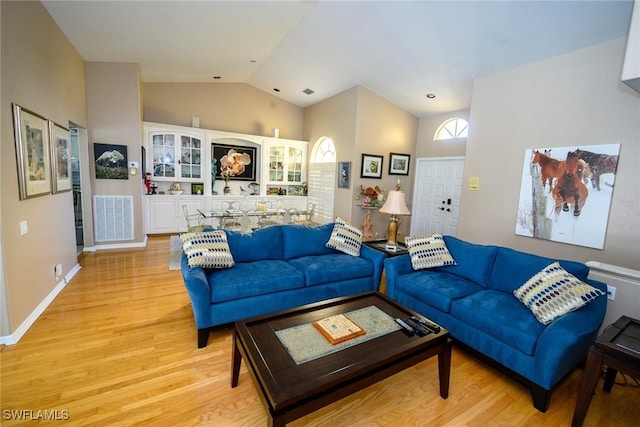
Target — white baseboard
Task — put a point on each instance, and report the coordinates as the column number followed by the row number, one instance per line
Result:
column 30, row 320
column 118, row 246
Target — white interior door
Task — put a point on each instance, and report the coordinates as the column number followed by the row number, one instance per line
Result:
column 436, row 195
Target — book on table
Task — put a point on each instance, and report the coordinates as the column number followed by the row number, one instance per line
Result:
column 338, row 328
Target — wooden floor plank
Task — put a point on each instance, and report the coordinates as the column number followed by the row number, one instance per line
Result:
column 118, row 347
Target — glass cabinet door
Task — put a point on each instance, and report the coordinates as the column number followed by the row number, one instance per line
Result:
column 276, row 164
column 190, row 157
column 294, row 165
column 164, row 162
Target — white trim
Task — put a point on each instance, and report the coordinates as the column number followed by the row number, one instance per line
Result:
column 614, row 269
column 30, row 320
column 118, row 246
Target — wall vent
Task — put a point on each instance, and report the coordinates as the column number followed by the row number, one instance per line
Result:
column 113, row 217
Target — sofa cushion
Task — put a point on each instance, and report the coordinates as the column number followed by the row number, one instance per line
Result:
column 252, row 279
column 428, row 251
column 473, row 261
column 512, row 268
column 345, row 238
column 207, row 249
column 320, row 269
column 305, row 240
column 262, row 244
column 437, row 289
column 500, row 316
column 553, row 292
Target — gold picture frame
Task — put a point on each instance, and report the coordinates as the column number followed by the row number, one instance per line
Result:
column 31, row 134
column 60, row 158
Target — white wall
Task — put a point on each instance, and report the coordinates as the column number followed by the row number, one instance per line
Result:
column 571, row 99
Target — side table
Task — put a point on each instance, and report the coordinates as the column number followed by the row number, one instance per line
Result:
column 381, row 245
column 618, row 348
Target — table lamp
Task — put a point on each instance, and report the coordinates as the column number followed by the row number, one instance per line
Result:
column 395, row 205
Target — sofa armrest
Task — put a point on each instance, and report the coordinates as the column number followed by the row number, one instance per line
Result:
column 195, row 280
column 377, row 259
column 565, row 342
column 394, row 268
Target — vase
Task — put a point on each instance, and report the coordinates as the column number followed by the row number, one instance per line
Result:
column 227, row 189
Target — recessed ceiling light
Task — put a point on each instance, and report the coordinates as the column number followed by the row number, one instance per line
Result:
column 217, row 77
column 431, row 95
column 308, row 91
column 275, row 89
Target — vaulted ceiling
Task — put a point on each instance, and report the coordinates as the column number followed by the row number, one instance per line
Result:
column 401, row 50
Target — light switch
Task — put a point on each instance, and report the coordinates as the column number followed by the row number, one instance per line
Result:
column 23, row 227
column 474, row 183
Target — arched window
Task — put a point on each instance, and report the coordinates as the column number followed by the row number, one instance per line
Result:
column 452, row 128
column 322, row 179
column 324, row 151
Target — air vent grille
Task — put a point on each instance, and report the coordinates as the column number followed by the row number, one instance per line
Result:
column 113, row 217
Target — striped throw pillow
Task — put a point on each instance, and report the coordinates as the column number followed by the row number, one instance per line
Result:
column 553, row 292
column 208, row 249
column 345, row 238
column 428, row 251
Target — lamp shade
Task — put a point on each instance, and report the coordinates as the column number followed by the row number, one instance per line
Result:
column 395, row 204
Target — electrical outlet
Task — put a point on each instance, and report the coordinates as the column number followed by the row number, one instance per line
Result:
column 58, row 270
column 611, row 292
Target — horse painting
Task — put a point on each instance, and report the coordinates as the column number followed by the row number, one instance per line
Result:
column 569, row 188
column 550, row 168
column 599, row 164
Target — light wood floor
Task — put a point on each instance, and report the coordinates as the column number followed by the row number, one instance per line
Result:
column 118, row 347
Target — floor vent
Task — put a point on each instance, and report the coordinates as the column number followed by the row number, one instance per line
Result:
column 113, row 217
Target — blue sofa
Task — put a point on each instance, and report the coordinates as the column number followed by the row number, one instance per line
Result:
column 276, row 268
column 474, row 300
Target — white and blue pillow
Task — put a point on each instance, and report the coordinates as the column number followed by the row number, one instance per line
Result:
column 345, row 238
column 208, row 249
column 553, row 292
column 428, row 251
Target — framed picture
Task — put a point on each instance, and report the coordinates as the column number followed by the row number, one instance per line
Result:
column 60, row 158
column 31, row 133
column 371, row 166
column 111, row 161
column 399, row 164
column 197, row 189
column 239, row 161
column 344, row 174
column 554, row 207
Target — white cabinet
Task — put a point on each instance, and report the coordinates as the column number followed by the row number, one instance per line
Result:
column 166, row 213
column 176, row 156
column 285, row 165
column 163, row 214
column 183, row 155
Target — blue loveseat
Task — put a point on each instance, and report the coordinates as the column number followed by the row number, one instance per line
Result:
column 276, row 268
column 474, row 300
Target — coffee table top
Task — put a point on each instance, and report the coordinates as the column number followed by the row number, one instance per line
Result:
column 285, row 383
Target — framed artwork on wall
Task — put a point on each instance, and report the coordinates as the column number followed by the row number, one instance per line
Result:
column 399, row 164
column 111, row 161
column 31, row 132
column 344, row 174
column 566, row 193
column 238, row 162
column 371, row 166
column 60, row 158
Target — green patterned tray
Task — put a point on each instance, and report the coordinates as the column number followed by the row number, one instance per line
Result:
column 304, row 343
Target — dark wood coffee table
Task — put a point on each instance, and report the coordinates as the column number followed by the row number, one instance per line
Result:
column 289, row 391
